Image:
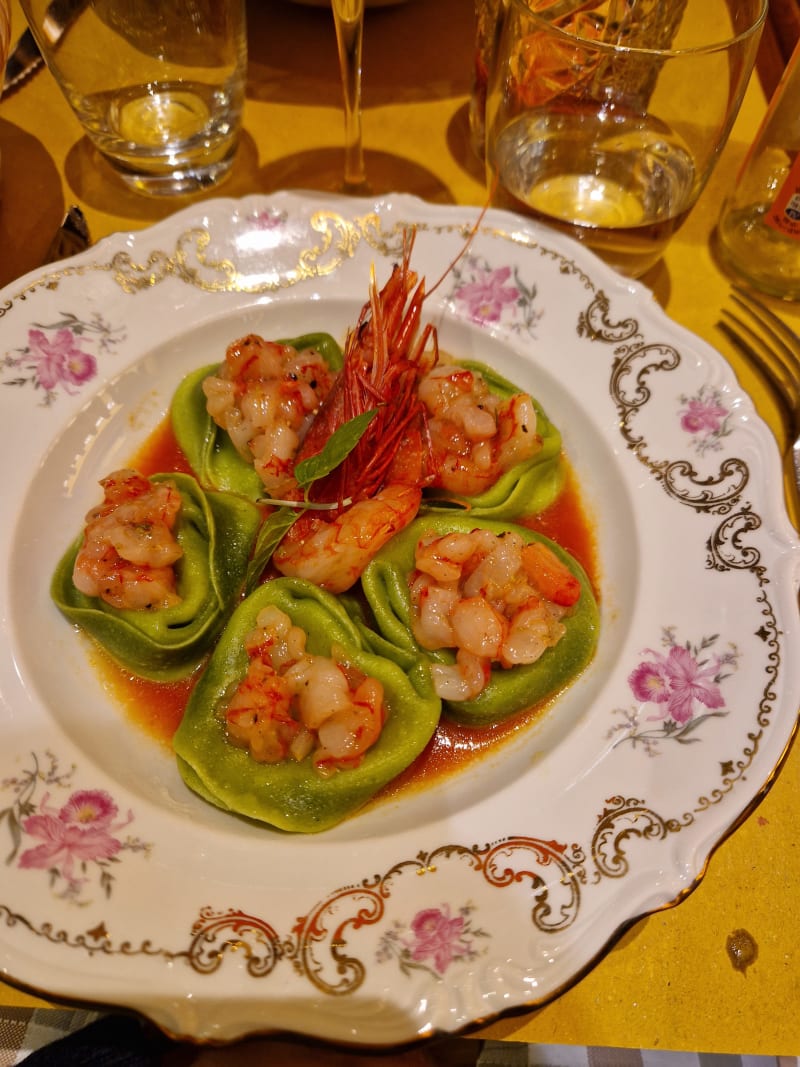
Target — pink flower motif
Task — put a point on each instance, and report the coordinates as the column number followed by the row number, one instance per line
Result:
column 88, row 807
column 268, row 220
column 486, row 297
column 703, row 416
column 676, row 681
column 649, row 682
column 59, row 360
column 79, row 832
column 437, row 937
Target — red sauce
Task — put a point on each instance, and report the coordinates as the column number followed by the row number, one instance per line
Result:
column 161, row 453
column 157, row 707
column 566, row 523
column 453, row 747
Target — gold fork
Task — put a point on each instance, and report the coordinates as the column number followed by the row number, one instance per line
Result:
column 773, row 350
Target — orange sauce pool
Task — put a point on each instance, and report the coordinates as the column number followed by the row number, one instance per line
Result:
column 157, row 707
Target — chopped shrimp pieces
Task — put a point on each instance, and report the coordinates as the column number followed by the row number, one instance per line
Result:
column 265, row 395
column 292, row 704
column 494, row 598
column 129, row 549
column 475, row 435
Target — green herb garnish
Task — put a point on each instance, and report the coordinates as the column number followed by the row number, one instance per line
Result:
column 337, row 448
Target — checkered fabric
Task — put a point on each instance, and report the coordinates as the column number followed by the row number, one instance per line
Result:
column 503, row 1054
column 23, row 1030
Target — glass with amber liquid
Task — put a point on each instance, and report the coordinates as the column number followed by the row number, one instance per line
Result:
column 758, row 233
column 607, row 124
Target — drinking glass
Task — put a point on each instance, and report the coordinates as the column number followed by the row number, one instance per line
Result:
column 158, row 87
column 348, row 17
column 487, row 19
column 607, row 122
column 5, row 36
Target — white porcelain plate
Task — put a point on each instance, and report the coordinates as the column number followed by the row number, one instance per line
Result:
column 485, row 892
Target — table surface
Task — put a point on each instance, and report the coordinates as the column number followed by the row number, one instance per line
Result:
column 669, row 982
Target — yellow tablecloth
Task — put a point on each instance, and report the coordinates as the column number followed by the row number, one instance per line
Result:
column 669, row 983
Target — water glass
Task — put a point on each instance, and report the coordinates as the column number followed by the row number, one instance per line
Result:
column 606, row 119
column 158, row 87
column 5, row 35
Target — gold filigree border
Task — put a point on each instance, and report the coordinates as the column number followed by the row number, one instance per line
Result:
column 635, row 362
column 321, row 945
column 193, row 263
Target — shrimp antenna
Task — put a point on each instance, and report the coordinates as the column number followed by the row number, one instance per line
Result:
column 470, row 237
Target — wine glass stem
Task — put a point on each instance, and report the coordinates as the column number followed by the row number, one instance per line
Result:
column 349, row 20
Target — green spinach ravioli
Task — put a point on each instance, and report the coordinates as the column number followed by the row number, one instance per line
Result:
column 291, row 794
column 527, row 487
column 388, row 583
column 267, row 734
column 209, row 449
column 215, row 532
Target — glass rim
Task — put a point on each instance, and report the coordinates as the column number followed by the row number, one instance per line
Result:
column 611, row 47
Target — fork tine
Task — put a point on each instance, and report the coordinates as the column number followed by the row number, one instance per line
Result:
column 762, row 353
column 785, row 343
column 772, row 349
column 746, row 299
column 738, row 336
column 770, row 344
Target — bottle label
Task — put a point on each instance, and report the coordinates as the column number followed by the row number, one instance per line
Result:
column 784, row 215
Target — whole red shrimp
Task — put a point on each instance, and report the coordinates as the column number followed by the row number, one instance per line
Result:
column 377, row 489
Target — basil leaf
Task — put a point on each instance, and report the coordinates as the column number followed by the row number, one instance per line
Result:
column 336, row 449
column 338, row 446
column 269, row 537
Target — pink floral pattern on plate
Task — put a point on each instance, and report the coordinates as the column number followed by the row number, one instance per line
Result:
column 678, row 690
column 269, row 219
column 72, row 841
column 58, row 355
column 705, row 417
column 433, row 940
column 490, row 296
